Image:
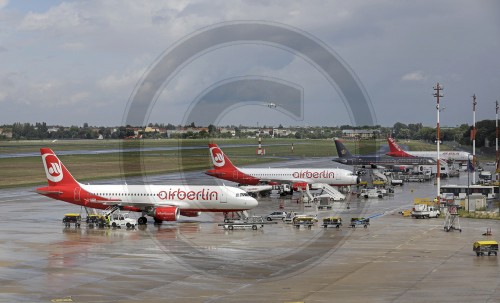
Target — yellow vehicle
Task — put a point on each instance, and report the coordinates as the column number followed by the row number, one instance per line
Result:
column 72, row 218
column 378, row 182
column 482, row 247
column 304, row 221
column 95, row 220
column 406, row 213
column 332, row 221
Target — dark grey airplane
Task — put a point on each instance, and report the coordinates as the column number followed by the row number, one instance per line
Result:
column 345, row 157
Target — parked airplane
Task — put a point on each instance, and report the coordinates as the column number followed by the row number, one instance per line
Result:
column 397, row 151
column 345, row 157
column 224, row 169
column 162, row 202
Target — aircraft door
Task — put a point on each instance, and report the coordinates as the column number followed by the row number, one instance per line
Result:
column 77, row 194
column 223, row 197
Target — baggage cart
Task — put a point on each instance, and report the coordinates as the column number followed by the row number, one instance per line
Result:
column 304, row 221
column 360, row 221
column 72, row 218
column 254, row 223
column 332, row 221
column 483, row 247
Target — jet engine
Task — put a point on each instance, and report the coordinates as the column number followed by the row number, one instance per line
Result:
column 166, row 213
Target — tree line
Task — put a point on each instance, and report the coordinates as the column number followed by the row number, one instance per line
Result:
column 485, row 134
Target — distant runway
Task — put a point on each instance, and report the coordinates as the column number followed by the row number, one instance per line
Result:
column 395, row 259
column 126, row 150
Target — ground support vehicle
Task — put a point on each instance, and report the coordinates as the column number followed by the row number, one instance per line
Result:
column 483, row 247
column 306, row 221
column 406, row 213
column 69, row 219
column 254, row 223
column 121, row 220
column 371, row 193
column 399, row 182
column 422, row 211
column 95, row 220
column 360, row 221
column 332, row 221
column 277, row 215
column 290, row 216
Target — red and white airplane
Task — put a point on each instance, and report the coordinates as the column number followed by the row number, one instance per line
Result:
column 397, row 151
column 162, row 202
column 298, row 177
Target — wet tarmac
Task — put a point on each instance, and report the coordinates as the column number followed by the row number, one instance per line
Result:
column 395, row 259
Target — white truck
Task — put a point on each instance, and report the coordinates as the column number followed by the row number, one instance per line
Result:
column 422, row 211
column 121, row 220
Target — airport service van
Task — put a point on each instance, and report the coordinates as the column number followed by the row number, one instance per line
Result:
column 122, row 220
column 422, row 211
column 433, row 169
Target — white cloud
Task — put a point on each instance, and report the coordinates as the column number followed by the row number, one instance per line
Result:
column 73, row 46
column 3, row 3
column 125, row 81
column 103, row 47
column 414, row 76
column 65, row 16
column 3, row 96
column 77, row 98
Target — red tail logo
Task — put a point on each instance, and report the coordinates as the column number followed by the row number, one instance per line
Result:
column 395, row 149
column 55, row 171
column 217, row 157
column 53, row 168
column 393, row 146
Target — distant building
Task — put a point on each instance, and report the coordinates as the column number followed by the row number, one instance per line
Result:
column 359, row 133
column 6, row 132
column 225, row 130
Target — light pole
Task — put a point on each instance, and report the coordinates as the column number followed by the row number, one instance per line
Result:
column 437, row 94
column 468, row 183
column 474, row 103
column 496, row 141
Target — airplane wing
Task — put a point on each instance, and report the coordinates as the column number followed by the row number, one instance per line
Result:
column 142, row 205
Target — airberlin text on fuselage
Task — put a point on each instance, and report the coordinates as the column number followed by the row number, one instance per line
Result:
column 308, row 174
column 179, row 194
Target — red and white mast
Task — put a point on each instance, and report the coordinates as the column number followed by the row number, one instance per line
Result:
column 474, row 103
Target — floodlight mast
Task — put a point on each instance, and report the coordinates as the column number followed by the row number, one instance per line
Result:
column 474, row 103
column 496, row 142
column 438, row 88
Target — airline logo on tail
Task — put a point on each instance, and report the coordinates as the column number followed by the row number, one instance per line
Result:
column 217, row 157
column 53, row 168
column 393, row 146
column 396, row 150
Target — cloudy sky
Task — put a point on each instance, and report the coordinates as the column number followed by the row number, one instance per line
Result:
column 71, row 62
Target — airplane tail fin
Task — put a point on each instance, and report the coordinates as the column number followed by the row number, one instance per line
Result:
column 342, row 151
column 395, row 150
column 56, row 172
column 470, row 166
column 219, row 159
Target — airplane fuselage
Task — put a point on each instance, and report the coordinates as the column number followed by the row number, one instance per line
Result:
column 443, row 155
column 143, row 197
column 338, row 177
column 381, row 161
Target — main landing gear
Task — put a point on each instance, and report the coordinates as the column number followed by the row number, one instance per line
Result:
column 142, row 220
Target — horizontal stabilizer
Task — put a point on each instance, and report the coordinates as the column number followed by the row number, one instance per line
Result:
column 49, row 192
